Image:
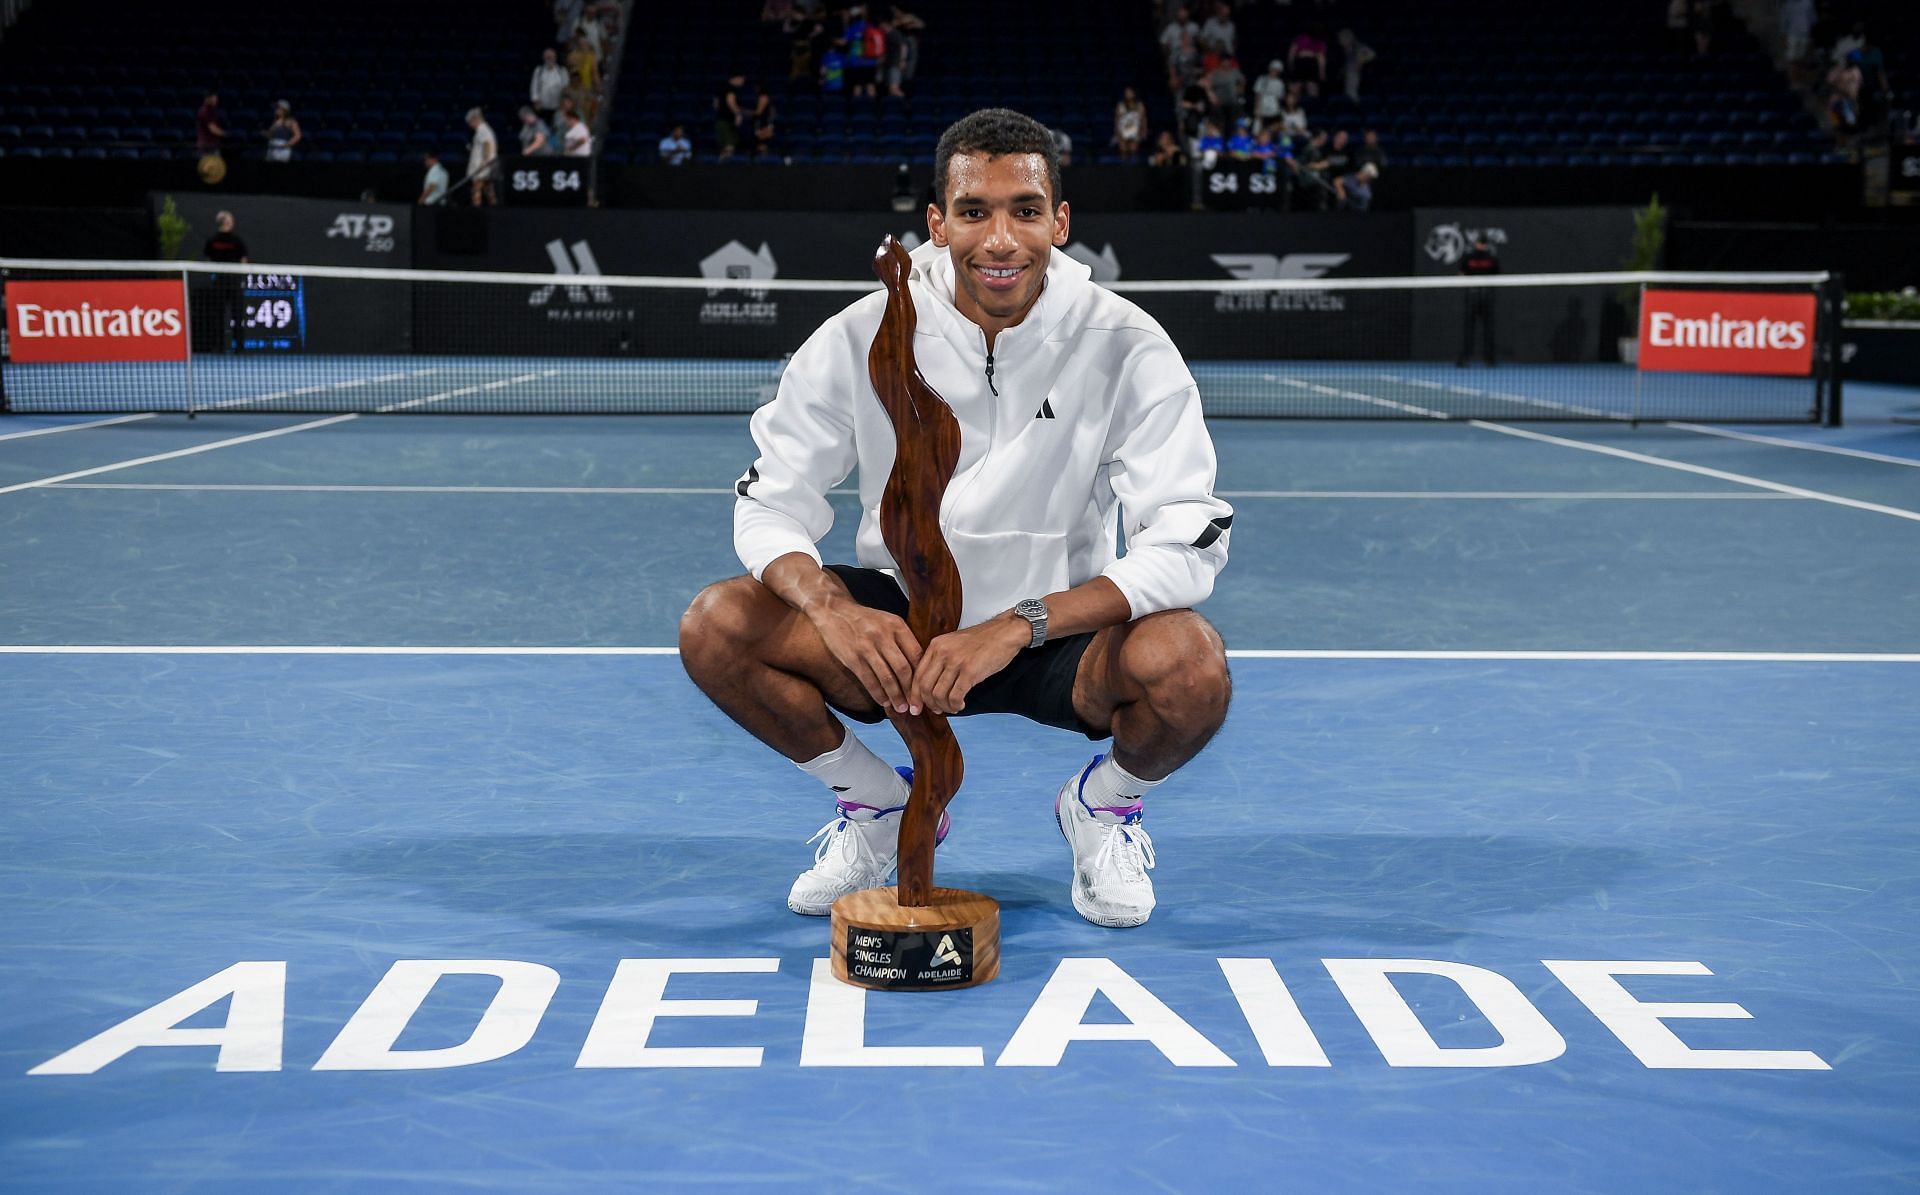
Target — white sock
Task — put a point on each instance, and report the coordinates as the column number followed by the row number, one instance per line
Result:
column 864, row 785
column 1111, row 793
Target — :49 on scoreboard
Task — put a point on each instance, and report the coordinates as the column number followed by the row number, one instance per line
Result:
column 548, row 184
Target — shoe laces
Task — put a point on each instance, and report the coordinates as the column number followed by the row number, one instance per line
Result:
column 842, row 843
column 1128, row 847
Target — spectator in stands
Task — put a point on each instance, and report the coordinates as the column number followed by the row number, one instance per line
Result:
column 866, row 47
column 1339, row 155
column 595, row 31
column 584, row 65
column 225, row 245
column 1293, row 118
column 1129, row 125
column 833, row 68
column 209, row 127
column 283, row 134
column 1275, row 155
column 1226, row 89
column 1218, row 36
column 1307, row 60
column 1680, row 26
column 674, row 148
column 1268, row 91
column 1478, row 263
column 1167, row 152
column 566, row 15
column 1355, row 190
column 1843, row 93
column 536, row 139
column 1310, row 172
column 577, row 141
column 1211, row 146
column 1240, row 144
column 1875, row 94
column 1063, row 145
column 1354, row 57
column 1181, row 28
column 549, row 84
column 1183, row 64
column 1191, row 112
column 903, row 50
column 1370, row 153
column 730, row 119
column 483, row 159
column 762, row 121
column 433, row 189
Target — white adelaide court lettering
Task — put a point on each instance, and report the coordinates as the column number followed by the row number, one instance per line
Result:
column 249, row 1039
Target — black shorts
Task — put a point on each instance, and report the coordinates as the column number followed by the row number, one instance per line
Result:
column 1038, row 684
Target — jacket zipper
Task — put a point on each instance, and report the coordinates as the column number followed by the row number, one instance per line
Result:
column 990, row 385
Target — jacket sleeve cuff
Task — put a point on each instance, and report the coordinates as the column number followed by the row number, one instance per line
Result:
column 1158, row 577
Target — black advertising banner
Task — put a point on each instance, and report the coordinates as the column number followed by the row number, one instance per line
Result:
column 342, row 316
column 575, row 316
column 1562, row 324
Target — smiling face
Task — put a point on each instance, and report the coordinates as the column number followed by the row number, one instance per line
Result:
column 1000, row 227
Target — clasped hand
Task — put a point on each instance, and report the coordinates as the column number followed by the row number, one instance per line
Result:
column 902, row 677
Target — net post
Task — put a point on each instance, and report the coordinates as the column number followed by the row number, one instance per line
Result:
column 1834, row 299
column 186, row 305
column 1639, row 374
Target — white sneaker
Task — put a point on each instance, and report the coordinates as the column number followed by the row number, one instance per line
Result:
column 1111, row 855
column 858, row 850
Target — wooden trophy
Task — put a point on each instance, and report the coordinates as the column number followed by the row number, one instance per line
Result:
column 915, row 936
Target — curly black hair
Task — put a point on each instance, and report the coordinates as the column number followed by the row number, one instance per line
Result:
column 994, row 132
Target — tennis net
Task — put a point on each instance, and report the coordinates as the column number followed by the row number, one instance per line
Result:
column 105, row 336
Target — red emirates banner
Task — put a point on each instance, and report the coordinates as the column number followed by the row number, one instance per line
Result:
column 1710, row 331
column 96, row 320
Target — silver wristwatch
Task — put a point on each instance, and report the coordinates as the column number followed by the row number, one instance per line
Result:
column 1034, row 610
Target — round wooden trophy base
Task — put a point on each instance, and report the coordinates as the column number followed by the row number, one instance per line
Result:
column 953, row 941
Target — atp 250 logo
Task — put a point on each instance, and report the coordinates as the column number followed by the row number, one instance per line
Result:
column 376, row 231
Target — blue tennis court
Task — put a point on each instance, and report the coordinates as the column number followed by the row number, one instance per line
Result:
column 364, row 832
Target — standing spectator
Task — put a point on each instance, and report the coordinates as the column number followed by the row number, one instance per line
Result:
column 1192, row 112
column 578, row 139
column 1307, row 60
column 1226, row 87
column 674, row 148
column 1183, row 64
column 283, row 134
column 1218, row 36
column 225, row 245
column 549, row 84
column 1370, row 153
column 1167, row 152
column 730, row 115
column 584, row 65
column 863, row 64
column 1310, row 171
column 1355, row 191
column 903, row 50
column 566, row 15
column 1129, row 125
column 1796, row 29
column 536, row 139
column 433, row 189
column 833, row 68
column 1354, row 57
column 1268, row 92
column 209, row 127
column 1181, row 28
column 762, row 121
column 1843, row 93
column 1478, row 263
column 591, row 28
column 483, row 159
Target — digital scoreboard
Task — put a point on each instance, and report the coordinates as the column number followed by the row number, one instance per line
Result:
column 273, row 313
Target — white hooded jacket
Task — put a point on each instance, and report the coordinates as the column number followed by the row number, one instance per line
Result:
column 1096, row 420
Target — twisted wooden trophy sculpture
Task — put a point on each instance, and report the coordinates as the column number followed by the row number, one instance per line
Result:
column 917, row 936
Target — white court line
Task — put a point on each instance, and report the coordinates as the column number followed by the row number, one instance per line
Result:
column 280, row 394
column 1708, row 657
column 1702, row 470
column 74, row 427
column 1781, row 442
column 1502, row 396
column 180, row 452
column 1377, row 401
column 716, row 491
column 501, row 384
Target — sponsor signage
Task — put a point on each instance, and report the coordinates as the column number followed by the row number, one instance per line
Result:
column 97, row 320
column 1727, row 332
